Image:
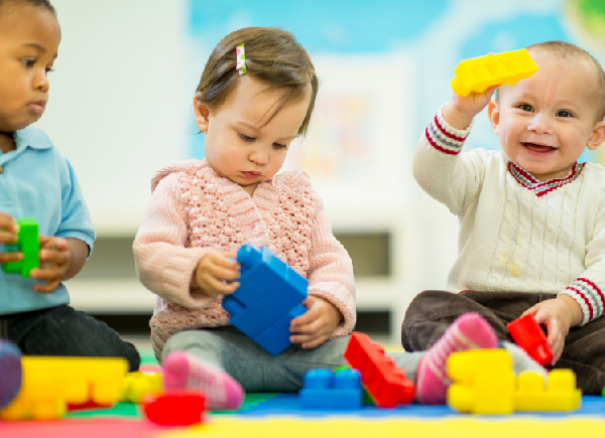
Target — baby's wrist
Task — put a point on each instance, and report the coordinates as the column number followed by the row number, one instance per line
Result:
column 573, row 308
column 457, row 118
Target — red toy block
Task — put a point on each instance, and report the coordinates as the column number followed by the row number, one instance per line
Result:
column 175, row 408
column 528, row 334
column 387, row 384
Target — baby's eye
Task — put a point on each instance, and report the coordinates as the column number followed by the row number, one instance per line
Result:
column 49, row 69
column 247, row 138
column 280, row 146
column 28, row 62
column 564, row 113
column 526, row 107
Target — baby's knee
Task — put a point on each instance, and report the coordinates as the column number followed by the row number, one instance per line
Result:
column 189, row 340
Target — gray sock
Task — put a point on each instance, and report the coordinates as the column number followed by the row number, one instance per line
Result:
column 522, row 361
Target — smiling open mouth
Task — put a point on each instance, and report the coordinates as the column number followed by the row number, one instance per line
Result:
column 538, row 148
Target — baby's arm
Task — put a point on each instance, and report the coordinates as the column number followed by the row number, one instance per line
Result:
column 164, row 265
column 583, row 300
column 331, row 301
column 450, row 177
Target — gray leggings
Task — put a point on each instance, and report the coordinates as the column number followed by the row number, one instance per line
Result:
column 258, row 371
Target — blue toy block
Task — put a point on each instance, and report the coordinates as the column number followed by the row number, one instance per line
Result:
column 269, row 297
column 276, row 338
column 324, row 389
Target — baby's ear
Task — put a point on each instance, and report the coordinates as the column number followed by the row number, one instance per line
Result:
column 202, row 114
column 493, row 112
column 597, row 137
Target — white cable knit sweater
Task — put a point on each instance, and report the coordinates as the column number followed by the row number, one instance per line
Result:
column 517, row 233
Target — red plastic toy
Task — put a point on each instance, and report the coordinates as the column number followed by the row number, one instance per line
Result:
column 175, row 408
column 528, row 334
column 386, row 384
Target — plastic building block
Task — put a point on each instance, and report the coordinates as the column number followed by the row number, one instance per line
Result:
column 324, row 389
column 175, row 408
column 28, row 242
column 269, row 297
column 483, row 381
column 51, row 383
column 528, row 334
column 485, row 384
column 478, row 74
column 138, row 384
column 10, row 372
column 386, row 384
column 560, row 394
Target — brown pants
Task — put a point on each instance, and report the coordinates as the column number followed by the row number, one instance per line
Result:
column 432, row 312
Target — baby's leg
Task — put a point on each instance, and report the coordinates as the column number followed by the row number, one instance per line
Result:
column 193, row 360
column 469, row 331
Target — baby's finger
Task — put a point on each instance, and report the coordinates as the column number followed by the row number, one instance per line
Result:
column 8, row 223
column 6, row 257
column 220, row 286
column 300, row 338
column 7, row 237
column 48, row 274
column 59, row 258
column 47, row 287
column 224, row 274
column 315, row 342
column 303, row 320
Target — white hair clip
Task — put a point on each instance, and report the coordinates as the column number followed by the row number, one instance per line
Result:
column 241, row 59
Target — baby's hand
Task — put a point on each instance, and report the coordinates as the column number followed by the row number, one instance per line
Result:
column 55, row 258
column 557, row 317
column 461, row 111
column 317, row 324
column 8, row 235
column 216, row 274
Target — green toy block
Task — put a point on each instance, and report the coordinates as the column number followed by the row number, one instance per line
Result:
column 28, row 242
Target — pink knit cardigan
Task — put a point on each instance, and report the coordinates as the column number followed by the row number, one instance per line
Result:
column 194, row 211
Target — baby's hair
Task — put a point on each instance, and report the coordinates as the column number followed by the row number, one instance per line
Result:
column 272, row 56
column 568, row 50
column 44, row 4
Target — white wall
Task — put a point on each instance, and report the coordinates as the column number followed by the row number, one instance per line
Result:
column 119, row 100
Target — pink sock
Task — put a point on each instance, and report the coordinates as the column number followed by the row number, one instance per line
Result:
column 469, row 331
column 186, row 371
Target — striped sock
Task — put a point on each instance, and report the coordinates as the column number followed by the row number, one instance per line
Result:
column 186, row 371
column 469, row 331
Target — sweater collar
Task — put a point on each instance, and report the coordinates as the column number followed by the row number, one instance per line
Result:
column 538, row 187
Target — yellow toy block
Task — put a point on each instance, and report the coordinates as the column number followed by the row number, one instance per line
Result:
column 478, row 74
column 561, row 393
column 50, row 383
column 483, row 382
column 138, row 384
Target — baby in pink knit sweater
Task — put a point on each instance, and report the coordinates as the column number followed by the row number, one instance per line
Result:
column 251, row 107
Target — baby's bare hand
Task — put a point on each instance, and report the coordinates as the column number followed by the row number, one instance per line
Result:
column 216, row 274
column 55, row 259
column 8, row 235
column 557, row 318
column 317, row 324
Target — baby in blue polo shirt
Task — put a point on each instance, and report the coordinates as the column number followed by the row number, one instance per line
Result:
column 36, row 180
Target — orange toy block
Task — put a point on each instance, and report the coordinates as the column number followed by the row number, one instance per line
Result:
column 386, row 384
column 478, row 74
column 51, row 383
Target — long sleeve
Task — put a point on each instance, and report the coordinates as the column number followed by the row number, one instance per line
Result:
column 452, row 178
column 331, row 273
column 164, row 264
column 587, row 288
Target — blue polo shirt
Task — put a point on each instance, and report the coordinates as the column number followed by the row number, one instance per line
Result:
column 37, row 181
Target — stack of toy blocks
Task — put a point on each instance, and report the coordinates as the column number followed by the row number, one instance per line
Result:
column 483, row 383
column 478, row 74
column 324, row 389
column 386, row 384
column 269, row 297
column 28, row 243
column 51, row 383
